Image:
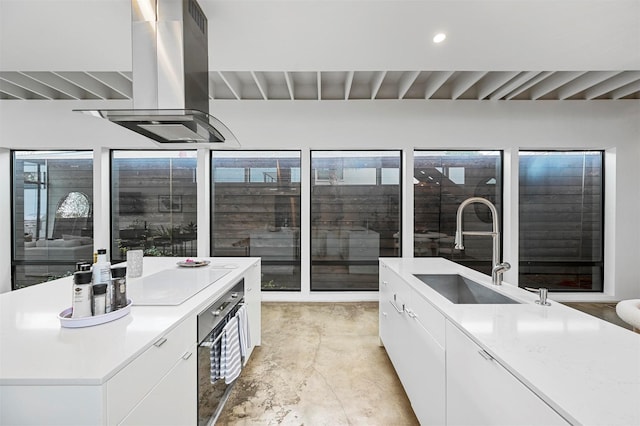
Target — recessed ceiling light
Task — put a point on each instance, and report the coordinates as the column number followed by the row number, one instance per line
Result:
column 439, row 38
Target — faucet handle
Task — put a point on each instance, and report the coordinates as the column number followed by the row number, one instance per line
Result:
column 542, row 291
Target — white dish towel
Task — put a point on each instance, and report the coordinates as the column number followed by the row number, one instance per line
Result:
column 243, row 328
column 231, row 359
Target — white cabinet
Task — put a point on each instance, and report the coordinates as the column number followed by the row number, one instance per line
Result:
column 412, row 332
column 171, row 401
column 143, row 377
column 480, row 391
column 253, row 301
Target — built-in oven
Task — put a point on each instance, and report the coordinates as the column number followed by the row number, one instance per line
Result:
column 213, row 391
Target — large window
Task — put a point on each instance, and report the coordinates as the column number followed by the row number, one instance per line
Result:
column 355, row 217
column 561, row 220
column 52, row 214
column 154, row 203
column 444, row 179
column 256, row 212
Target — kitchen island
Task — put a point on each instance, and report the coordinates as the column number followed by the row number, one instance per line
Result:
column 516, row 363
column 101, row 374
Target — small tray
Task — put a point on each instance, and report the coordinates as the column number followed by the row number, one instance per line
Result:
column 194, row 264
column 68, row 322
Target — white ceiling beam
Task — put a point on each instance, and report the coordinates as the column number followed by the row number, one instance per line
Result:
column 406, row 81
column 435, row 82
column 22, row 80
column 8, row 96
column 61, row 85
column 612, row 84
column 262, row 83
column 85, row 82
column 376, row 82
column 626, row 90
column 233, row 83
column 493, row 81
column 512, row 85
column 11, row 89
column 464, row 82
column 584, row 82
column 116, row 81
column 554, row 82
column 347, row 84
column 532, row 82
column 289, row 80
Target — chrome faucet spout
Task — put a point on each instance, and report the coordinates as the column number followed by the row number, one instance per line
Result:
column 494, row 234
column 497, row 271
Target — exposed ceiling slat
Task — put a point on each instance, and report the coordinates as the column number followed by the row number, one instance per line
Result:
column 405, row 83
column 512, row 85
column 289, row 81
column 347, row 84
column 554, row 82
column 493, row 81
column 117, row 82
column 626, row 90
column 7, row 96
column 584, row 82
column 435, row 82
column 22, row 80
column 376, row 82
column 612, row 84
column 532, row 82
column 232, row 82
column 16, row 91
column 61, row 85
column 262, row 83
column 85, row 82
column 465, row 81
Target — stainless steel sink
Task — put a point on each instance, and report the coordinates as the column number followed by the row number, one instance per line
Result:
column 461, row 290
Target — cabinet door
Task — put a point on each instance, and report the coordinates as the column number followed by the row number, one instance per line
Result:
column 480, row 391
column 384, row 307
column 425, row 378
column 417, row 356
column 130, row 385
column 392, row 334
column 253, row 301
column 173, row 401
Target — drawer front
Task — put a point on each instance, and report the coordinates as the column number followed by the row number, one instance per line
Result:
column 430, row 318
column 172, row 401
column 132, row 383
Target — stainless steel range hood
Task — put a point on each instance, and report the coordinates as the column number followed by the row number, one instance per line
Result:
column 170, row 76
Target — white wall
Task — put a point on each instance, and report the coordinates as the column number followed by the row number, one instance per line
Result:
column 610, row 125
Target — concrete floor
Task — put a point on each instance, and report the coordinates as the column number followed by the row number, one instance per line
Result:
column 319, row 364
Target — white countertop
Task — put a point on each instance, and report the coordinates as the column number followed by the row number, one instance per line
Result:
column 585, row 368
column 35, row 349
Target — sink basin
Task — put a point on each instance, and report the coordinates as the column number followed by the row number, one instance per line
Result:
column 461, row 290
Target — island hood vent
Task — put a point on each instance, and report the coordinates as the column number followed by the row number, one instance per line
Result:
column 170, row 76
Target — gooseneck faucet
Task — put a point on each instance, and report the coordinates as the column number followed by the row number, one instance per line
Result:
column 497, row 268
